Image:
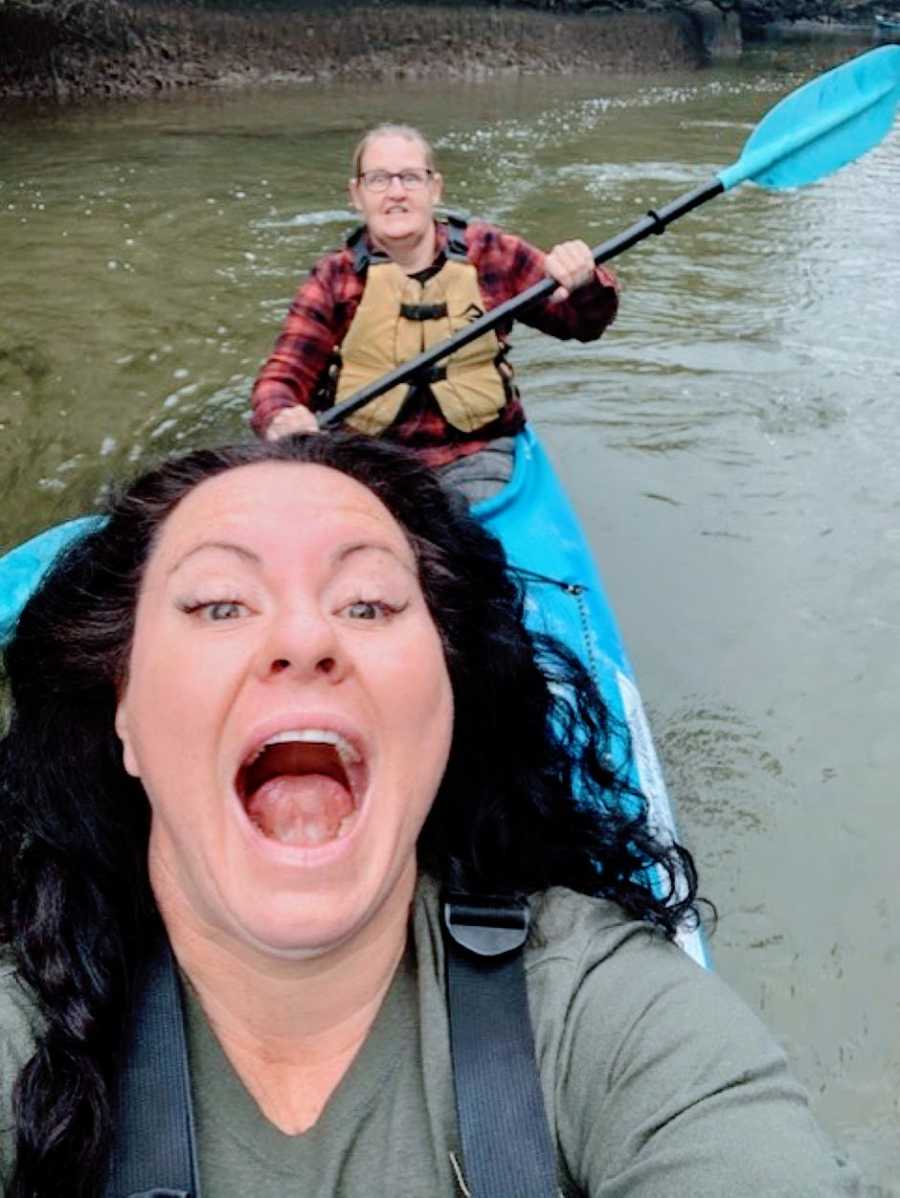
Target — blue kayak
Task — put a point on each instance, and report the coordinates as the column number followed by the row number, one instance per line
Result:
column 22, row 568
column 543, row 539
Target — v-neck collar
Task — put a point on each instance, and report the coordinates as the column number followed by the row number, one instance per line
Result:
column 360, row 1087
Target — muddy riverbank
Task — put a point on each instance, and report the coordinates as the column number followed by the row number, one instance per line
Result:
column 137, row 52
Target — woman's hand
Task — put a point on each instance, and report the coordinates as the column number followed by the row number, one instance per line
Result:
column 571, row 264
column 291, row 420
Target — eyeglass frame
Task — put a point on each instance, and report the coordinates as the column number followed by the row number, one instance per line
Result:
column 391, row 175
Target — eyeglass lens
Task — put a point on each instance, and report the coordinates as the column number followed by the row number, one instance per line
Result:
column 380, row 180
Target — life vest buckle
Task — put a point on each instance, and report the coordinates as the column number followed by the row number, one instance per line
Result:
column 434, row 374
column 423, row 311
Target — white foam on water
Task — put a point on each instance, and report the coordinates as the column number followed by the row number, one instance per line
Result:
column 330, row 216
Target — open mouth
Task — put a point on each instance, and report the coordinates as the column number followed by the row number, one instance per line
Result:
column 302, row 787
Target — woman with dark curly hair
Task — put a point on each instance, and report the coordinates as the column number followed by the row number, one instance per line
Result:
column 265, row 716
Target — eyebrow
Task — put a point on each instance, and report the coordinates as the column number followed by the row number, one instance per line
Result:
column 348, row 551
column 228, row 546
column 345, row 552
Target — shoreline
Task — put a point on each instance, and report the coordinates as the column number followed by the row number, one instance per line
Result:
column 153, row 52
column 115, row 50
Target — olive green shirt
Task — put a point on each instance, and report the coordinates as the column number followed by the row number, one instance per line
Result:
column 658, row 1081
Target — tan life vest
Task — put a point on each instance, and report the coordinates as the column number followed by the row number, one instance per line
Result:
column 399, row 317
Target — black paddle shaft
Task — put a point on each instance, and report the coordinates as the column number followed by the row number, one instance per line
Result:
column 654, row 222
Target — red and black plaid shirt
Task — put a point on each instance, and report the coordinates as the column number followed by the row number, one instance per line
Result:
column 326, row 302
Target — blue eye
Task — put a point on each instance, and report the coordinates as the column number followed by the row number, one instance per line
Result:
column 364, row 609
column 372, row 609
column 215, row 610
column 223, row 609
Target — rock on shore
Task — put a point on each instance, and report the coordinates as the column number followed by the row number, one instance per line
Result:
column 65, row 51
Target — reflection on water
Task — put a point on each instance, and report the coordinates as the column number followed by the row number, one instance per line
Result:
column 731, row 444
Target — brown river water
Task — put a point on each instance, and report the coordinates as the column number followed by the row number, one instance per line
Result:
column 731, row 444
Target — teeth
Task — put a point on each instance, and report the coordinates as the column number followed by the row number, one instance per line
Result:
column 315, row 736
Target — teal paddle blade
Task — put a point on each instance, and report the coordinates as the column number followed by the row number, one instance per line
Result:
column 23, row 567
column 823, row 125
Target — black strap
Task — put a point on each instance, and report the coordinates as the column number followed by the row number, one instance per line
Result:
column 434, row 374
column 507, row 1148
column 154, row 1150
column 423, row 311
column 363, row 255
column 456, row 237
column 356, row 242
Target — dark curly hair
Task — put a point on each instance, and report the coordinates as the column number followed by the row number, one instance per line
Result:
column 542, row 807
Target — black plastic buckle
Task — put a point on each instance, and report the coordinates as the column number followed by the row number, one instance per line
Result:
column 486, row 925
column 423, row 311
column 434, row 374
column 156, row 1192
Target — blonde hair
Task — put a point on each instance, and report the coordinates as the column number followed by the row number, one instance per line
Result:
column 388, row 130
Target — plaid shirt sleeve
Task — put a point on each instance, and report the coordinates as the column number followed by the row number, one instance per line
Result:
column 317, row 321
column 507, row 265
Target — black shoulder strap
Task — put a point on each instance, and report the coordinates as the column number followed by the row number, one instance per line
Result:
column 154, row 1151
column 507, row 1148
column 457, row 247
column 363, row 255
column 356, row 243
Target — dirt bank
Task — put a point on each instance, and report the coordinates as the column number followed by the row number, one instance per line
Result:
column 139, row 52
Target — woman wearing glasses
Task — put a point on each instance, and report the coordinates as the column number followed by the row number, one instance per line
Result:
column 403, row 282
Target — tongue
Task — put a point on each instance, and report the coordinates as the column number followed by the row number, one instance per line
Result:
column 300, row 809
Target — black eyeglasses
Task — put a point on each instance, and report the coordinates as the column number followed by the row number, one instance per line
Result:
column 410, row 180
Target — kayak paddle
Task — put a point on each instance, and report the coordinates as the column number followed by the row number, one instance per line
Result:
column 811, row 133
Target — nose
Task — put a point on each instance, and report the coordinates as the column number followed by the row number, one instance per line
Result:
column 303, row 644
column 395, row 186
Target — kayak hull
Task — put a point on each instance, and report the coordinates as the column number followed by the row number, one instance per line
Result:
column 534, row 519
column 22, row 568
